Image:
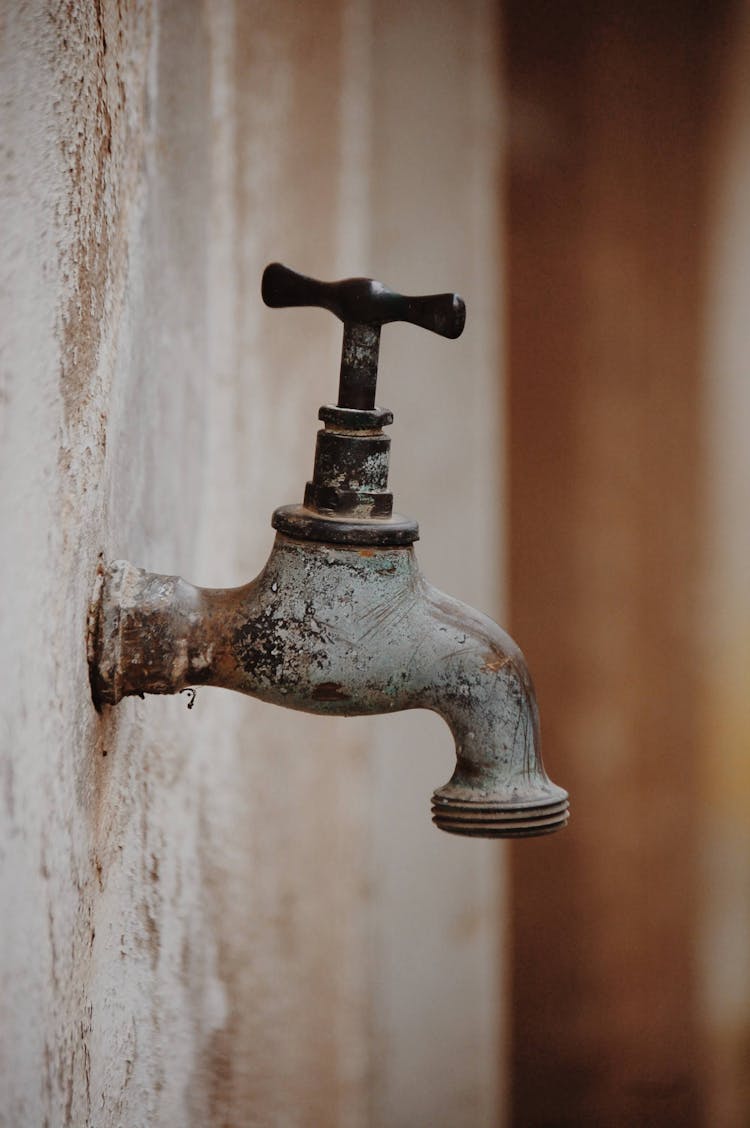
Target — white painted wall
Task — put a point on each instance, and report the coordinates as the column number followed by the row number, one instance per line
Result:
column 234, row 915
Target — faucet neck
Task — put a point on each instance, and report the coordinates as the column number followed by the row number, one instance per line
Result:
column 352, row 455
column 348, row 501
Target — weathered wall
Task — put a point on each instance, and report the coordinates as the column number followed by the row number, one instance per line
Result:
column 204, row 913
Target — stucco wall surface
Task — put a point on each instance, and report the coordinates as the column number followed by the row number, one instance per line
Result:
column 205, row 916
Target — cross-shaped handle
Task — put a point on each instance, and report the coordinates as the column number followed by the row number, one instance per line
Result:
column 363, row 305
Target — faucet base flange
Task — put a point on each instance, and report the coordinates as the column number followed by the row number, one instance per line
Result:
column 308, row 524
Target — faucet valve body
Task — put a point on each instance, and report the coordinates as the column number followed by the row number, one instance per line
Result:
column 341, row 621
column 351, row 464
column 347, row 501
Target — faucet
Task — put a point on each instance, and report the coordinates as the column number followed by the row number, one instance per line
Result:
column 341, row 620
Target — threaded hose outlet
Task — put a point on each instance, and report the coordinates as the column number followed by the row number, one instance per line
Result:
column 485, row 819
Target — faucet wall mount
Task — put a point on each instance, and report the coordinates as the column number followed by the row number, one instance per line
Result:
column 340, row 620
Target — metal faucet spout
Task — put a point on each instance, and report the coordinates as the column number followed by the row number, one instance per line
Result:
column 342, row 630
column 480, row 684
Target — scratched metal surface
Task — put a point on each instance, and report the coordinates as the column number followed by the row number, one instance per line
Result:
column 344, row 631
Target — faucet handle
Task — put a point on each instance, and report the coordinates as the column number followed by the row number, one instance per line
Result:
column 363, row 301
column 364, row 305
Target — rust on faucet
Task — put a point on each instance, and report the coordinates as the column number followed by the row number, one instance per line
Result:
column 341, row 620
column 333, row 629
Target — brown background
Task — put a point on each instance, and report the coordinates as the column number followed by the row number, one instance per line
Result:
column 615, row 113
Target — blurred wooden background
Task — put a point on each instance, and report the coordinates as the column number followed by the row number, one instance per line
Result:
column 628, row 298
